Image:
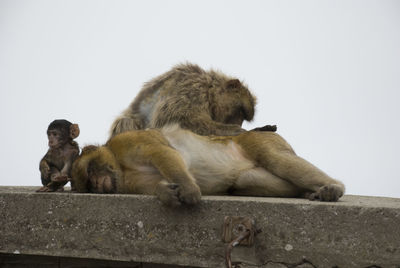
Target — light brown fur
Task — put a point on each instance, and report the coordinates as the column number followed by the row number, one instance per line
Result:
column 206, row 102
column 178, row 166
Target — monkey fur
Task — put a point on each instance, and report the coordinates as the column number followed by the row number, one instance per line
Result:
column 205, row 102
column 178, row 166
column 55, row 166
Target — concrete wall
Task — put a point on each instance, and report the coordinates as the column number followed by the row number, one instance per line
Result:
column 355, row 232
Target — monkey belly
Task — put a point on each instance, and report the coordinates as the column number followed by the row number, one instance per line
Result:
column 215, row 166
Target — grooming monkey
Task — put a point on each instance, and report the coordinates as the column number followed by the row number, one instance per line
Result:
column 205, row 102
column 55, row 166
column 178, row 166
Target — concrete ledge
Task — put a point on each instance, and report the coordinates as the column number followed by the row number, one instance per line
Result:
column 355, row 232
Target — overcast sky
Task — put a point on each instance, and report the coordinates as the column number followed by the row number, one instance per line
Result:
column 326, row 72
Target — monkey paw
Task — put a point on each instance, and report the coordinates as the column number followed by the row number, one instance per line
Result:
column 47, row 189
column 62, row 179
column 271, row 128
column 168, row 193
column 102, row 183
column 329, row 193
column 43, row 189
column 172, row 194
column 190, row 195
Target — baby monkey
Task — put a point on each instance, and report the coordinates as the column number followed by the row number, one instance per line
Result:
column 55, row 166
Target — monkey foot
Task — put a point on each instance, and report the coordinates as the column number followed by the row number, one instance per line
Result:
column 172, row 194
column 168, row 193
column 329, row 193
column 190, row 194
column 47, row 189
column 42, row 189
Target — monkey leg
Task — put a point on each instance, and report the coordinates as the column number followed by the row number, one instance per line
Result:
column 52, row 187
column 305, row 175
column 260, row 182
column 55, row 183
column 172, row 167
column 272, row 152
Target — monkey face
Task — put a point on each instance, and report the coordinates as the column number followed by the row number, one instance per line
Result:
column 61, row 131
column 234, row 104
column 56, row 139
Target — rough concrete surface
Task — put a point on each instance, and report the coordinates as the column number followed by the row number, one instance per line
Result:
column 357, row 231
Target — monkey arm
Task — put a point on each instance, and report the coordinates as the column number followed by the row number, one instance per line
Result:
column 71, row 152
column 172, row 167
column 97, row 170
column 272, row 128
column 150, row 148
column 206, row 126
column 66, row 169
column 44, row 171
column 221, row 129
column 58, row 178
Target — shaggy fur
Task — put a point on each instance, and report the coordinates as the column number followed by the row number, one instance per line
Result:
column 206, row 102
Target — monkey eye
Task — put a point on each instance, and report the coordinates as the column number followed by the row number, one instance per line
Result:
column 53, row 133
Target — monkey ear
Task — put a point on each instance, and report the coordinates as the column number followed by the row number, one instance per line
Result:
column 233, row 83
column 74, row 131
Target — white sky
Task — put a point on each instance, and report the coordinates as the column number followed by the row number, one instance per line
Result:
column 326, row 72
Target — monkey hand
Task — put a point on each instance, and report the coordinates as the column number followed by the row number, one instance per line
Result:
column 271, row 128
column 330, row 193
column 61, row 180
column 46, row 189
column 189, row 194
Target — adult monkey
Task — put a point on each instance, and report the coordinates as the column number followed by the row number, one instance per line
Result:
column 178, row 166
column 206, row 102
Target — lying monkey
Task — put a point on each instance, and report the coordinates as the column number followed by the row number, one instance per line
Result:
column 179, row 166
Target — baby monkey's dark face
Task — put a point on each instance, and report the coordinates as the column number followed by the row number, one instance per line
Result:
column 56, row 139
